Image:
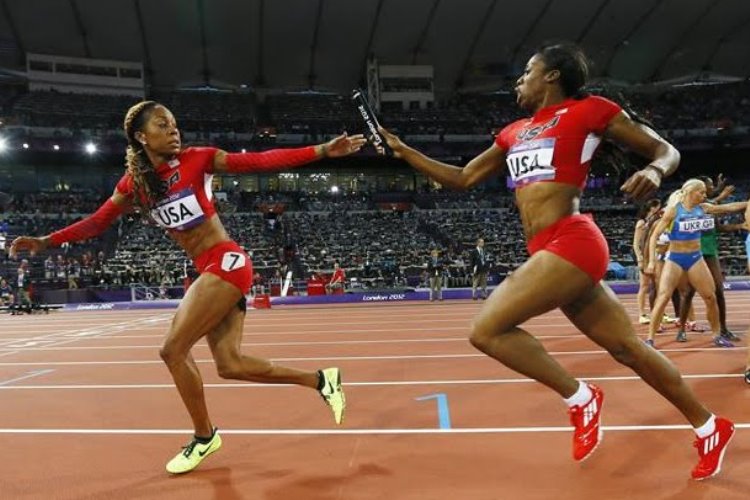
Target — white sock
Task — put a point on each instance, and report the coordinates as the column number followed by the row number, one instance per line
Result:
column 708, row 428
column 581, row 397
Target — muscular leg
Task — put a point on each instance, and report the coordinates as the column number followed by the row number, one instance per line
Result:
column 676, row 299
column 714, row 265
column 701, row 280
column 205, row 305
column 543, row 283
column 600, row 316
column 643, row 289
column 225, row 342
column 670, row 277
column 686, row 305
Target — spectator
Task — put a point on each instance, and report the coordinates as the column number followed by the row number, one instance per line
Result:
column 6, row 293
column 337, row 281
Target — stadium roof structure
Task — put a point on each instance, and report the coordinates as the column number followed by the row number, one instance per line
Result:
column 324, row 44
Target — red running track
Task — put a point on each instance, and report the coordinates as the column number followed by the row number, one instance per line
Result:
column 89, row 411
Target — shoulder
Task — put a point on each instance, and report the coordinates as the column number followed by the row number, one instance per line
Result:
column 197, row 153
column 597, row 101
column 125, row 184
column 597, row 112
column 671, row 212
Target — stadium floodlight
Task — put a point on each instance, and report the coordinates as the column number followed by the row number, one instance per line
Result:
column 25, row 145
column 3, row 145
column 334, row 189
column 56, row 147
column 244, row 150
column 90, row 148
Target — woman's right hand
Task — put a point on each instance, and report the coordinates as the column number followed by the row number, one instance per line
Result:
column 649, row 268
column 29, row 243
column 393, row 141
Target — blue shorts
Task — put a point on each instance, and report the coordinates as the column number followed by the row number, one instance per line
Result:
column 747, row 245
column 685, row 260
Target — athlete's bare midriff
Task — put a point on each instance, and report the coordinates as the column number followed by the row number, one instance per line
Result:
column 543, row 203
column 197, row 240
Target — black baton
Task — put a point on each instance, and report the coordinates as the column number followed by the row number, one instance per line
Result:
column 371, row 121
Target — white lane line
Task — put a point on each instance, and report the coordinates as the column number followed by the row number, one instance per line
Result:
column 32, row 374
column 360, row 358
column 68, row 337
column 30, row 346
column 343, row 432
column 250, row 385
column 716, row 350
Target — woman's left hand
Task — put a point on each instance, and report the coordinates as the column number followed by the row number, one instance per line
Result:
column 642, row 184
column 343, row 145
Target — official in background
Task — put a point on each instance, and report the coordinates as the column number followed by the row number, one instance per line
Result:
column 479, row 268
column 435, row 268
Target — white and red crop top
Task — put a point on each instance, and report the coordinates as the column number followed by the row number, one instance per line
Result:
column 189, row 198
column 558, row 142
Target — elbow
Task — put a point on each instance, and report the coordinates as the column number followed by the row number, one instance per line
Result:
column 674, row 157
column 465, row 182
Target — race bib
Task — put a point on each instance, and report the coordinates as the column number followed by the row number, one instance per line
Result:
column 179, row 211
column 696, row 225
column 531, row 161
column 231, row 261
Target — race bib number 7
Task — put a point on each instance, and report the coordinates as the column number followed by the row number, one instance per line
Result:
column 232, row 261
column 531, row 161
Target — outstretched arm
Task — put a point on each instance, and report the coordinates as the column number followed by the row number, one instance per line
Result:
column 280, row 159
column 89, row 227
column 726, row 208
column 492, row 160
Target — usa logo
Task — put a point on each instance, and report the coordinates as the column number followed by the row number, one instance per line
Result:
column 531, row 133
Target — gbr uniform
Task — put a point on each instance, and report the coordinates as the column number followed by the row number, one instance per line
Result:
column 556, row 145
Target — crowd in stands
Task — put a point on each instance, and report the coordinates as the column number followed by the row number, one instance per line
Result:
column 378, row 248
column 380, row 238
column 234, row 117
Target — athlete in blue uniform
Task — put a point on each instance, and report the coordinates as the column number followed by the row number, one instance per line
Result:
column 686, row 216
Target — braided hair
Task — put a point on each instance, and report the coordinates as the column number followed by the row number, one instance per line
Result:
column 147, row 185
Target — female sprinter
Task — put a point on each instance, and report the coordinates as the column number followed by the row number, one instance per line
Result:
column 548, row 157
column 685, row 217
column 710, row 252
column 648, row 211
column 172, row 187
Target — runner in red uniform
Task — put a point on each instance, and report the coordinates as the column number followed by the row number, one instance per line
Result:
column 548, row 157
column 172, row 188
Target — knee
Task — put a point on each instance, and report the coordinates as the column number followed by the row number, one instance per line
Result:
column 228, row 369
column 627, row 352
column 710, row 298
column 171, row 355
column 482, row 336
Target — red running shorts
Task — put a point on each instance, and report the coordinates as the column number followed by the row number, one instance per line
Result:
column 228, row 261
column 578, row 240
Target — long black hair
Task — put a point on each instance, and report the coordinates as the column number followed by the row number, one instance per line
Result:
column 147, row 186
column 574, row 67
